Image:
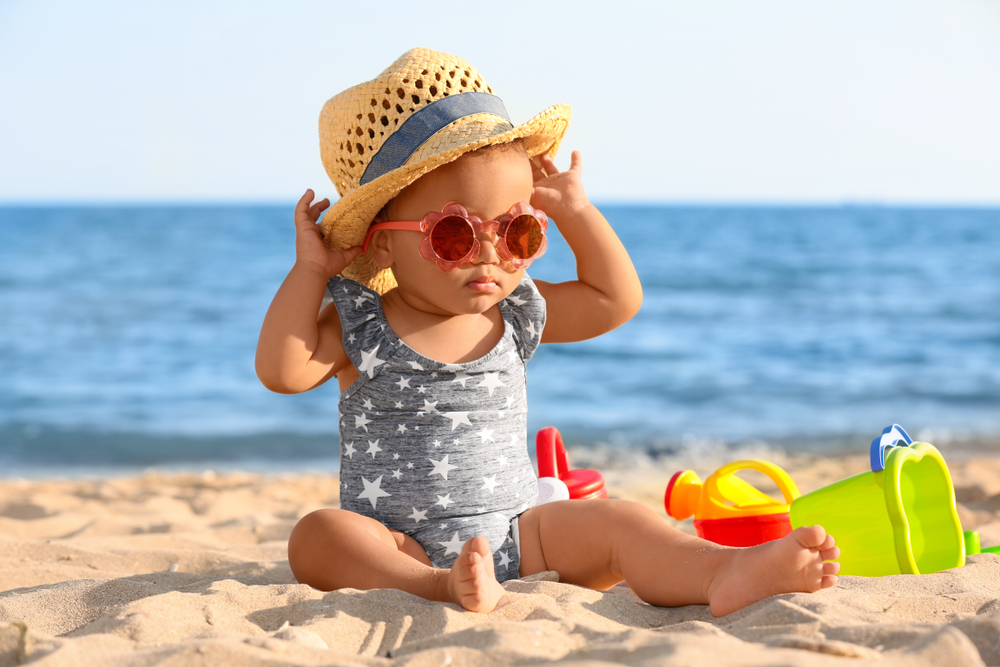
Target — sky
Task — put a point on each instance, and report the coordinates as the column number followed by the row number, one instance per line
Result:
column 713, row 101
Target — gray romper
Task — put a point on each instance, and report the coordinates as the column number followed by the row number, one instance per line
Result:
column 438, row 451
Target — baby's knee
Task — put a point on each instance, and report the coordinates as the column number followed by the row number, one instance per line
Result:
column 308, row 533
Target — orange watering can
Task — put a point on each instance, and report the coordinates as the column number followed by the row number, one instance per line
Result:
column 553, row 462
column 727, row 510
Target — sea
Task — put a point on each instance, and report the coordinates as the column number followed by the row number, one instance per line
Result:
column 128, row 332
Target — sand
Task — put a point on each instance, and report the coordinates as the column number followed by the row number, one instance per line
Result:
column 191, row 569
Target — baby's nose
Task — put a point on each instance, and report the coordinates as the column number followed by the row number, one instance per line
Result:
column 487, row 249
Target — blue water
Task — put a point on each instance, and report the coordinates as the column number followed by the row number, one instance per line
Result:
column 127, row 334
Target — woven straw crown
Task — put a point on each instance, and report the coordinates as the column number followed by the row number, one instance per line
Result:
column 355, row 125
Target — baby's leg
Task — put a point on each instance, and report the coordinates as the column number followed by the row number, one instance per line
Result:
column 332, row 549
column 597, row 543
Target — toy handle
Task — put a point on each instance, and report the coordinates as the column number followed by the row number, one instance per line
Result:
column 785, row 484
column 551, row 454
column 891, row 436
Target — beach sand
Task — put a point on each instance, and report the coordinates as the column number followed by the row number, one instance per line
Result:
column 191, row 569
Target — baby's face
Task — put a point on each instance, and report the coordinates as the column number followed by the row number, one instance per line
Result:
column 488, row 186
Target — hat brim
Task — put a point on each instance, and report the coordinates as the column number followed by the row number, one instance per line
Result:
column 346, row 222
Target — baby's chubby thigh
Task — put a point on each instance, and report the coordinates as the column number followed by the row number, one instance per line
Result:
column 579, row 539
column 324, row 537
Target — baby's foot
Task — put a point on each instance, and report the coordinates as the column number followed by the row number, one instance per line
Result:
column 793, row 564
column 471, row 582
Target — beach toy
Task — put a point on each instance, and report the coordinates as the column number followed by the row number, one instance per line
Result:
column 728, row 510
column 972, row 545
column 553, row 462
column 898, row 518
column 551, row 489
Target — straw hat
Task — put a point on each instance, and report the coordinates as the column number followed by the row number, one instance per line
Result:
column 425, row 110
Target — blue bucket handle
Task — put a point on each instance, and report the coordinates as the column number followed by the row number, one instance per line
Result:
column 892, row 436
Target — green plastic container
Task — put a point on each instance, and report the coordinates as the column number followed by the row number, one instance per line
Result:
column 900, row 520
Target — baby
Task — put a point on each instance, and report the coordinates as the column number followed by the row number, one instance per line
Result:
column 444, row 204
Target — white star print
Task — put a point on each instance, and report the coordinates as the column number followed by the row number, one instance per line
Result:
column 351, row 338
column 363, row 421
column 373, row 448
column 395, row 456
column 454, row 545
column 421, row 389
column 512, row 355
column 360, row 300
column 401, row 428
column 461, row 376
column 369, row 362
column 510, row 401
column 418, row 516
column 409, row 465
column 415, row 366
column 516, row 300
column 504, row 560
column 437, row 443
column 457, row 418
column 397, row 473
column 444, row 501
column 491, row 381
column 368, row 404
column 441, row 467
column 503, row 461
column 485, row 434
column 489, row 483
column 403, row 382
column 430, row 407
column 531, row 329
column 373, row 490
column 350, row 450
column 399, row 405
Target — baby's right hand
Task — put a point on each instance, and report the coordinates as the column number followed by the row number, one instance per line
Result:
column 310, row 251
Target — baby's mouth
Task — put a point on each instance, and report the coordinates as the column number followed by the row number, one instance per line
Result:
column 484, row 284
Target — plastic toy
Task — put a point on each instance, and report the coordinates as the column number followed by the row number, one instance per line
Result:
column 553, row 462
column 551, row 489
column 899, row 518
column 972, row 545
column 729, row 511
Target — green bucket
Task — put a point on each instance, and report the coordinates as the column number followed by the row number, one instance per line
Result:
column 899, row 520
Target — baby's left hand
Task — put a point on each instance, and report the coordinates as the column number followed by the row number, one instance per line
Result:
column 559, row 193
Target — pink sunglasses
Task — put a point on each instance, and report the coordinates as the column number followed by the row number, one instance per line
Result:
column 451, row 235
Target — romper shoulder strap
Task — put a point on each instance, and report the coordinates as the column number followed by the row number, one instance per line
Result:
column 359, row 308
column 526, row 309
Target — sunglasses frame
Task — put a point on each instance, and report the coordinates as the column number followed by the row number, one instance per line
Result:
column 478, row 227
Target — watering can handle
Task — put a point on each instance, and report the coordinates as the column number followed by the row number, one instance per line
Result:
column 551, row 454
column 785, row 484
column 892, row 436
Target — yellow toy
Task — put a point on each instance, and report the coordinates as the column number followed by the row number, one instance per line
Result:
column 728, row 510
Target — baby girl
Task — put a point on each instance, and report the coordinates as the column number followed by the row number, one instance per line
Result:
column 444, row 204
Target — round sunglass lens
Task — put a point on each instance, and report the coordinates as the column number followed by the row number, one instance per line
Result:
column 452, row 238
column 524, row 236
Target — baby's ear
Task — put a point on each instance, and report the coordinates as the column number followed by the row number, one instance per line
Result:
column 378, row 248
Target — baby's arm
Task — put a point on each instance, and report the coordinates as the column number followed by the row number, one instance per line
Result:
column 296, row 351
column 607, row 292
